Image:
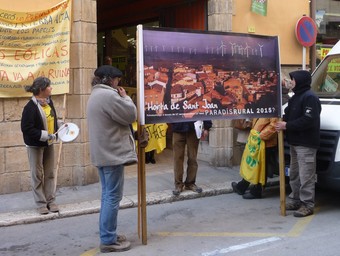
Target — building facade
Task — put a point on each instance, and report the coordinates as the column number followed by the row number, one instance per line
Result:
column 102, row 29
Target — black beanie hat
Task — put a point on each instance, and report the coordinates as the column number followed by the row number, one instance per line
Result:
column 107, row 71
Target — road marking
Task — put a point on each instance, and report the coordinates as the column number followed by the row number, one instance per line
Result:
column 220, row 234
column 296, row 231
column 90, row 252
column 241, row 246
column 300, row 226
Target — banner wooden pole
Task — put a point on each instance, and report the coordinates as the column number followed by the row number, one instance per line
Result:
column 139, row 187
column 141, row 123
column 60, row 143
column 139, row 199
column 282, row 174
column 142, row 189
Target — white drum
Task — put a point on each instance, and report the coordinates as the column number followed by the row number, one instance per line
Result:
column 68, row 132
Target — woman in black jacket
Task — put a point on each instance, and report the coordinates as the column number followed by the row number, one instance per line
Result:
column 39, row 125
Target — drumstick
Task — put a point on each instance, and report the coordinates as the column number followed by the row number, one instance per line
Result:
column 62, row 127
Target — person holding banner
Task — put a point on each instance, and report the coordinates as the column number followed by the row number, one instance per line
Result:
column 184, row 135
column 261, row 147
column 110, row 113
column 39, row 124
column 301, row 123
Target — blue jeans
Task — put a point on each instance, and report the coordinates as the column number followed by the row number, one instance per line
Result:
column 112, row 181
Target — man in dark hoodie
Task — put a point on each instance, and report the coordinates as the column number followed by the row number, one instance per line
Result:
column 301, row 123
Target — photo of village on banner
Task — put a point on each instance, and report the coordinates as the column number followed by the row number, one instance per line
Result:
column 190, row 75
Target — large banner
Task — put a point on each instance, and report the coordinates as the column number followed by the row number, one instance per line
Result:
column 191, row 76
column 32, row 45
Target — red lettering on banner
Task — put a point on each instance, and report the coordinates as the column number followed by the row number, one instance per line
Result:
column 32, row 77
column 35, row 54
column 64, row 50
column 56, row 73
column 17, row 76
column 3, row 75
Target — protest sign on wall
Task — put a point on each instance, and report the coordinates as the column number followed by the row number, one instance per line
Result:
column 34, row 44
column 191, row 76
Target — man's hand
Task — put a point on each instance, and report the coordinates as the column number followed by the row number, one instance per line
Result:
column 121, row 91
column 143, row 139
column 280, row 126
column 204, row 134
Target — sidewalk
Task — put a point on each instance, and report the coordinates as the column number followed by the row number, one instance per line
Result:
column 19, row 208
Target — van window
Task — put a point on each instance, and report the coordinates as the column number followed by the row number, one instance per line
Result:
column 326, row 78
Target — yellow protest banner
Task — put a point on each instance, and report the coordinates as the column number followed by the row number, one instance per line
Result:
column 157, row 136
column 34, row 44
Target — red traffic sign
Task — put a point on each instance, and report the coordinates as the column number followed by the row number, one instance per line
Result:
column 306, row 31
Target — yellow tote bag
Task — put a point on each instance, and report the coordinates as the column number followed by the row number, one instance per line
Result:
column 253, row 165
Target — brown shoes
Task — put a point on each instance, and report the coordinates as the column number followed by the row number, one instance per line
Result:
column 303, row 211
column 115, row 247
column 53, row 207
column 293, row 206
column 42, row 210
column 121, row 238
column 178, row 189
column 194, row 188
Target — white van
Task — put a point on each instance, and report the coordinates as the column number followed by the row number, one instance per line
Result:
column 326, row 84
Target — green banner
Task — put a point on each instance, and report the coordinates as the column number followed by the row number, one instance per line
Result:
column 259, row 7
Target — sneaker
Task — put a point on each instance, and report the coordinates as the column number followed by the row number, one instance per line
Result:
column 178, row 190
column 194, row 188
column 43, row 210
column 303, row 211
column 121, row 238
column 292, row 206
column 115, row 247
column 235, row 188
column 249, row 195
column 53, row 207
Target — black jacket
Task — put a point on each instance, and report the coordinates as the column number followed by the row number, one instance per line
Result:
column 303, row 113
column 32, row 125
column 189, row 126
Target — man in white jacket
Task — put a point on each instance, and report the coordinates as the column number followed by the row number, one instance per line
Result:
column 110, row 112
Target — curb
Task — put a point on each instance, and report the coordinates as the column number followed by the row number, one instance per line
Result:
column 89, row 207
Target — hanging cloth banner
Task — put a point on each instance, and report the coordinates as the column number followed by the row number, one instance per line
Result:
column 259, row 7
column 35, row 44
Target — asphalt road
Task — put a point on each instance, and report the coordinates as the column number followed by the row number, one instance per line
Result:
column 211, row 226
